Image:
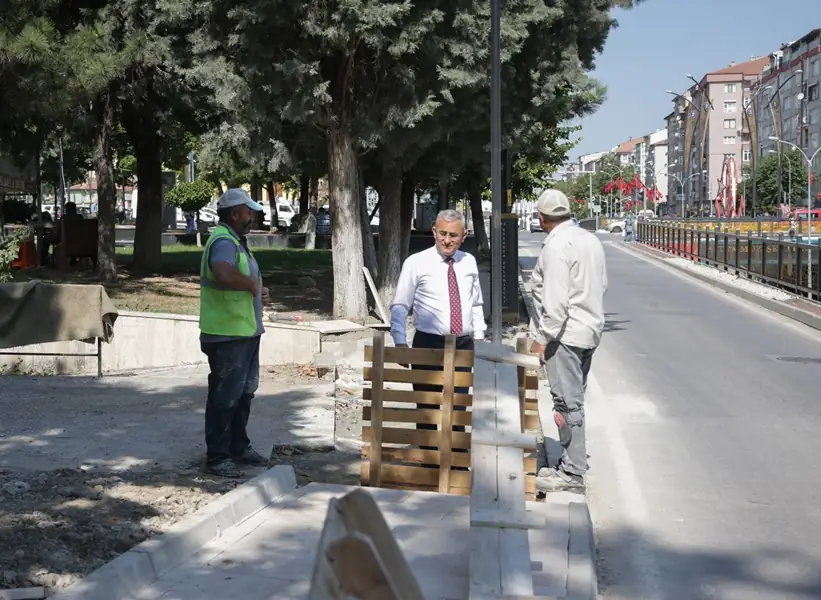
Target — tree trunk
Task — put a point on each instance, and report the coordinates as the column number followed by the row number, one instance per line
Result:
column 271, row 188
column 407, row 207
column 106, row 190
column 143, row 131
column 304, row 193
column 217, row 182
column 346, row 232
column 443, row 195
column 368, row 246
column 475, row 200
column 314, row 195
column 390, row 232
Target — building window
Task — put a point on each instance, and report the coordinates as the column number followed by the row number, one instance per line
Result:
column 729, row 140
column 729, row 88
column 814, row 140
column 815, row 68
column 812, row 93
column 729, row 123
column 812, row 117
column 747, row 155
column 730, row 107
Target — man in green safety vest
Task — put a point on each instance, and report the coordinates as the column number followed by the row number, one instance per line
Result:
column 231, row 300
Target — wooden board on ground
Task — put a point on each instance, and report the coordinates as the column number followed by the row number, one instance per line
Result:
column 358, row 556
column 337, row 326
column 380, row 308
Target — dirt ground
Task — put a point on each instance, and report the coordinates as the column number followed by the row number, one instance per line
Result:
column 58, row 524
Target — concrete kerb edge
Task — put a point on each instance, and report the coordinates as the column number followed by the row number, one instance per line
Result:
column 135, row 570
column 785, row 310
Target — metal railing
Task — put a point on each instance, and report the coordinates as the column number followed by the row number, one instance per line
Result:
column 789, row 263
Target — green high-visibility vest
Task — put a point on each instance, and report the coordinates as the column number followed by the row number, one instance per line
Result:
column 223, row 311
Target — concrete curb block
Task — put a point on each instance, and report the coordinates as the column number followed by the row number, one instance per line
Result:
column 581, row 555
column 776, row 306
column 129, row 573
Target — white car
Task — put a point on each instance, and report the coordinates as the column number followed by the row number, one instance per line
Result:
column 616, row 226
column 535, row 223
column 285, row 214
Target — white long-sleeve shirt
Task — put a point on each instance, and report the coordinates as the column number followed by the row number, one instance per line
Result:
column 569, row 283
column 423, row 287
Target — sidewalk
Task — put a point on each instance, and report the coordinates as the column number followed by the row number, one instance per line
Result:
column 271, row 555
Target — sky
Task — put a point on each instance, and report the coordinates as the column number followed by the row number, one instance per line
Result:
column 659, row 43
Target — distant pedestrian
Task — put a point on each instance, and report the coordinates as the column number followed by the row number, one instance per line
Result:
column 323, row 222
column 231, row 300
column 569, row 283
column 629, row 227
column 441, row 286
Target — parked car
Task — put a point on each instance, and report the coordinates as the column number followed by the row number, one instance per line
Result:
column 616, row 226
column 285, row 214
column 535, row 223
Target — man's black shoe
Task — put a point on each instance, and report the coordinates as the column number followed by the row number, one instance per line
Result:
column 251, row 457
column 225, row 468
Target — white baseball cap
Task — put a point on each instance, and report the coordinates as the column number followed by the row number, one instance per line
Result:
column 553, row 203
column 237, row 197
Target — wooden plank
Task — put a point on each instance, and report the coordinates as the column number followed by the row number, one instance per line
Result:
column 431, row 457
column 420, row 356
column 406, row 474
column 521, row 377
column 500, row 353
column 361, row 514
column 389, row 395
column 417, row 437
column 360, row 570
column 422, row 457
column 376, row 408
column 447, row 414
column 503, row 439
column 380, row 308
column 429, row 416
column 532, row 382
column 460, row 379
column 517, row 577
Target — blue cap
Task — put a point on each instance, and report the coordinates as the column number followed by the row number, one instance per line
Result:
column 237, row 197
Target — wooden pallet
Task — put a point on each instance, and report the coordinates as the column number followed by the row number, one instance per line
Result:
column 405, row 460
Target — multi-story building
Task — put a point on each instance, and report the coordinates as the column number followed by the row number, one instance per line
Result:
column 707, row 125
column 654, row 174
column 787, row 101
column 626, row 152
column 591, row 162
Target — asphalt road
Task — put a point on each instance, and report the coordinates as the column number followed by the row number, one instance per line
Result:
column 704, row 424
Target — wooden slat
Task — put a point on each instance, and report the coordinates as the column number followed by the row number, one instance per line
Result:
column 460, row 378
column 431, row 457
column 406, row 474
column 532, row 382
column 420, row 356
column 425, row 488
column 531, row 422
column 428, row 416
column 416, row 437
column 447, row 414
column 376, row 407
column 521, row 376
column 389, row 395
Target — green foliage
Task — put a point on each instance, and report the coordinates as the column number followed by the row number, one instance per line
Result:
column 191, row 196
column 793, row 180
column 9, row 249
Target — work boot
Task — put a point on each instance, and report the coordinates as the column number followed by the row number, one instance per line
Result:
column 224, row 468
column 251, row 457
column 555, row 480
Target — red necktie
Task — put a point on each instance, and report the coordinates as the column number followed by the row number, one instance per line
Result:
column 455, row 301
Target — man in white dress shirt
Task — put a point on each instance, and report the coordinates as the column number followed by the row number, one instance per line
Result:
column 441, row 286
column 569, row 283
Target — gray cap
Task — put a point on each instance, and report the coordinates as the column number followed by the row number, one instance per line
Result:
column 237, row 197
column 553, row 203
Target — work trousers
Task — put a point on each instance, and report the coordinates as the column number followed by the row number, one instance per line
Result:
column 567, row 371
column 233, row 380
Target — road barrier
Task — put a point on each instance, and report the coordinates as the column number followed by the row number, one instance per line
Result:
column 790, row 263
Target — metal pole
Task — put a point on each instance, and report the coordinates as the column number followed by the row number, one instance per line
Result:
column 809, row 221
column 496, row 173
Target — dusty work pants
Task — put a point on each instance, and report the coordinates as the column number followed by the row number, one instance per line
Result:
column 567, row 370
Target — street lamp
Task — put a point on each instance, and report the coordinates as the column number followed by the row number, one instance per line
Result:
column 789, row 182
column 810, row 160
column 772, row 113
column 681, row 183
column 754, row 157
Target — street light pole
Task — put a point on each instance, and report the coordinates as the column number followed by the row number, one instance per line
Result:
column 496, row 172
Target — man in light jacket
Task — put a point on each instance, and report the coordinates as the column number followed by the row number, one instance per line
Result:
column 569, row 282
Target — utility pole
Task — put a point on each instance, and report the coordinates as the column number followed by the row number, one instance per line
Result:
column 496, row 172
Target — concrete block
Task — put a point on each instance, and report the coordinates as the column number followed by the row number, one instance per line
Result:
column 123, row 577
column 581, row 560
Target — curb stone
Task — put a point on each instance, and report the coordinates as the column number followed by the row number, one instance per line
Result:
column 135, row 570
column 785, row 310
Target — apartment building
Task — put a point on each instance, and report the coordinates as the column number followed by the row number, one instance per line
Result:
column 786, row 100
column 654, row 174
column 710, row 126
column 591, row 162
